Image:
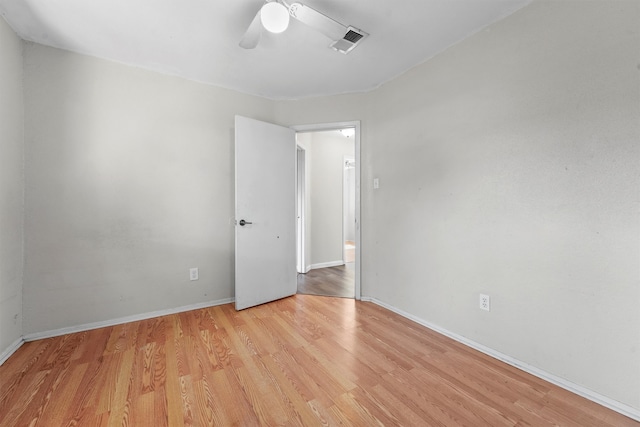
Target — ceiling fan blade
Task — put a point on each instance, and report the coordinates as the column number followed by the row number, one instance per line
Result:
column 311, row 17
column 252, row 36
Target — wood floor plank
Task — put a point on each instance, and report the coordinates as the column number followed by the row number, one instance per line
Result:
column 25, row 395
column 189, row 410
column 327, row 379
column 203, row 403
column 353, row 412
column 305, row 387
column 142, row 410
column 290, row 392
column 175, row 411
column 234, row 403
column 119, row 406
column 107, row 382
column 323, row 415
column 396, row 407
column 66, row 394
column 160, row 407
column 266, row 408
column 300, row 361
column 348, row 364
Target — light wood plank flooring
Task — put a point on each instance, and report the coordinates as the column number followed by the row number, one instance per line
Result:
column 304, row 360
column 336, row 281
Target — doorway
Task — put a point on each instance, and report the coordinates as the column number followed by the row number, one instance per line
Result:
column 327, row 209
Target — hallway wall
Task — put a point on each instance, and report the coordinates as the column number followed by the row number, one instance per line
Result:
column 11, row 188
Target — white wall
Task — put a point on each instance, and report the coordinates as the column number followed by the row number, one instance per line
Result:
column 129, row 183
column 11, row 187
column 509, row 165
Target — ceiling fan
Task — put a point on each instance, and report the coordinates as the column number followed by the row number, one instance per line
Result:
column 274, row 17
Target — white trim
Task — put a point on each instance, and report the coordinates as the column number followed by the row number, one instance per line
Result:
column 301, row 211
column 10, row 350
column 614, row 405
column 121, row 320
column 326, row 264
column 335, row 126
column 345, row 202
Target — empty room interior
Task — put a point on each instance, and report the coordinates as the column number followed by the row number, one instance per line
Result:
column 494, row 245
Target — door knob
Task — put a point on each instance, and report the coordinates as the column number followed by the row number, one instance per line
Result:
column 243, row 222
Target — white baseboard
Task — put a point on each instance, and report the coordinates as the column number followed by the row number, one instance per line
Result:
column 121, row 320
column 614, row 405
column 307, row 269
column 10, row 350
column 326, row 264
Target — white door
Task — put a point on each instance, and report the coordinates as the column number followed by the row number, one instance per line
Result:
column 265, row 262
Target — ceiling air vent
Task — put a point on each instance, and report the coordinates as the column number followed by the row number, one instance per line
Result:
column 352, row 36
column 350, row 40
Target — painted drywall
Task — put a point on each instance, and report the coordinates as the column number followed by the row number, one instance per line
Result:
column 11, row 186
column 328, row 149
column 519, row 178
column 509, row 165
column 129, row 183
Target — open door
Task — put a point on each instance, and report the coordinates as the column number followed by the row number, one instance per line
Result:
column 265, row 261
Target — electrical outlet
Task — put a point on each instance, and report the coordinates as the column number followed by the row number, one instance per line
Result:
column 193, row 273
column 485, row 302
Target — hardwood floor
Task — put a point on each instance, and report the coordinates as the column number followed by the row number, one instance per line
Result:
column 331, row 281
column 304, row 360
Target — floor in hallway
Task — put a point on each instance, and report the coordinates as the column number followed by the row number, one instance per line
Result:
column 336, row 281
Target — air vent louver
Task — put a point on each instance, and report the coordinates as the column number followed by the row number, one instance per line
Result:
column 352, row 36
column 350, row 40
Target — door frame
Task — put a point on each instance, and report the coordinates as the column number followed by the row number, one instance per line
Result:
column 345, row 201
column 319, row 127
column 301, row 188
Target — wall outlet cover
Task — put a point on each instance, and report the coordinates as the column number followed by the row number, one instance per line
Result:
column 193, row 273
column 485, row 302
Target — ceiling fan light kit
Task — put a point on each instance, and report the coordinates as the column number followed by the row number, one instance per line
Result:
column 274, row 17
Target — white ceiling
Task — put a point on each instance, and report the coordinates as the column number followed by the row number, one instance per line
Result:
column 198, row 39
